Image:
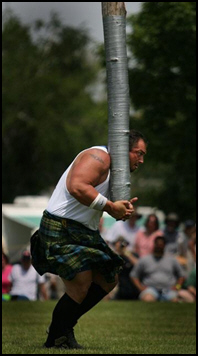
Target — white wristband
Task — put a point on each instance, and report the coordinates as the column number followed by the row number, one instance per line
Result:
column 99, row 202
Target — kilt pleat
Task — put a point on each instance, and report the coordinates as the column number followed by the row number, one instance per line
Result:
column 65, row 247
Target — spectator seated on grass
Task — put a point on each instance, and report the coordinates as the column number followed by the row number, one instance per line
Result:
column 188, row 291
column 176, row 240
column 145, row 237
column 6, row 284
column 125, row 290
column 127, row 229
column 26, row 281
column 157, row 276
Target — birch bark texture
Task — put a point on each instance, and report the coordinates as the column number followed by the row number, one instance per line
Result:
column 114, row 26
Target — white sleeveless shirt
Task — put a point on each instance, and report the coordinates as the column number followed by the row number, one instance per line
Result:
column 64, row 205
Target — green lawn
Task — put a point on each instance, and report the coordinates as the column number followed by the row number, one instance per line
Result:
column 114, row 327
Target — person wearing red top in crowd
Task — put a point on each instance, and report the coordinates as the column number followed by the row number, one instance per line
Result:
column 6, row 270
column 144, row 242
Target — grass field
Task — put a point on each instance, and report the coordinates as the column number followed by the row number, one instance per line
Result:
column 116, row 327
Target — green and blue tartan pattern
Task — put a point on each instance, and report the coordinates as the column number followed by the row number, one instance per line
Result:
column 66, row 248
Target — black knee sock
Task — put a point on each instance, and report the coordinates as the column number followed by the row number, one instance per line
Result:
column 67, row 312
column 94, row 295
column 63, row 317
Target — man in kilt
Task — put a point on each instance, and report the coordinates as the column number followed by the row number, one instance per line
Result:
column 68, row 242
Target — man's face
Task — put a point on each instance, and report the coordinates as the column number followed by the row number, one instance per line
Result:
column 26, row 263
column 159, row 247
column 136, row 155
column 171, row 225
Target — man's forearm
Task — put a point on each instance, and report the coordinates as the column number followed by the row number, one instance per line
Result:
column 86, row 194
column 138, row 284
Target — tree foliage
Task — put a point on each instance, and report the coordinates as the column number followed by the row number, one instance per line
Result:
column 163, row 92
column 48, row 112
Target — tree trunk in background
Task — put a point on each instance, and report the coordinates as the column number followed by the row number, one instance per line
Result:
column 114, row 24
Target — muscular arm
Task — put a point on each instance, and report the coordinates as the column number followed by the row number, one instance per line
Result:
column 89, row 170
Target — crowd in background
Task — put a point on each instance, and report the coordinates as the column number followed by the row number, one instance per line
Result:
column 160, row 264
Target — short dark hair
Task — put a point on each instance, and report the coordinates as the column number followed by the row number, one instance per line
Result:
column 134, row 137
column 159, row 237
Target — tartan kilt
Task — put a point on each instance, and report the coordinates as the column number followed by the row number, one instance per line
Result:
column 65, row 247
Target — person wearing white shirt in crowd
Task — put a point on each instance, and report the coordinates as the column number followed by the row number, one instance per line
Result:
column 26, row 282
column 127, row 229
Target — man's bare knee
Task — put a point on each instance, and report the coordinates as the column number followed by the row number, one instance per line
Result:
column 148, row 298
column 78, row 287
column 100, row 280
column 82, row 288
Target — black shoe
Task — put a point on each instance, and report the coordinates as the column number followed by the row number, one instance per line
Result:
column 71, row 340
column 59, row 343
column 68, row 341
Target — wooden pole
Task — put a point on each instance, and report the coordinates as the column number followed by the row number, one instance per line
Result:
column 113, row 9
column 114, row 24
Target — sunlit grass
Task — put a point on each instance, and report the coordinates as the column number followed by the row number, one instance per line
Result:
column 110, row 328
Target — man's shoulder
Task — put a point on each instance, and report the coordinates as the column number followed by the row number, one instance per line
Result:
column 170, row 259
column 148, row 257
column 99, row 154
column 145, row 259
column 95, row 156
column 103, row 148
column 16, row 269
column 16, row 266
